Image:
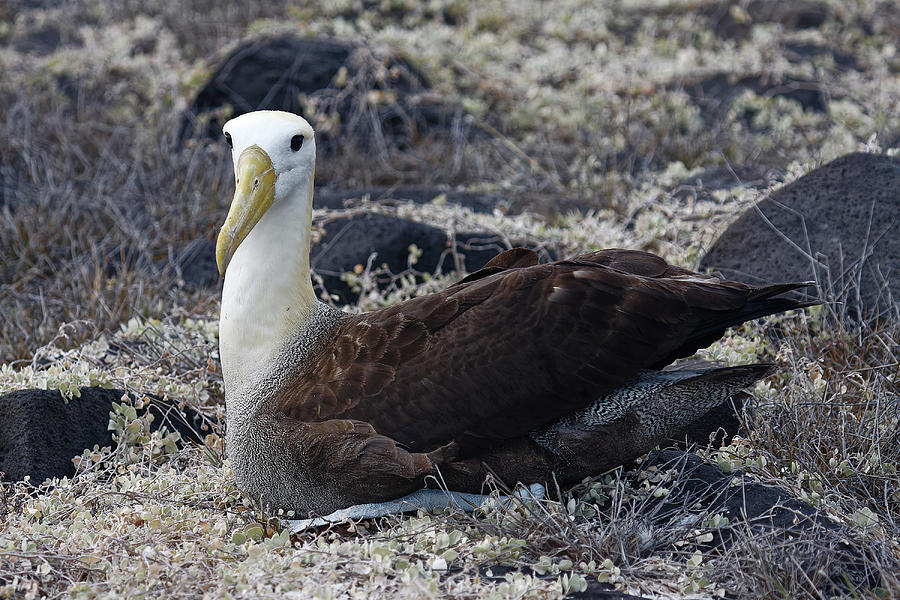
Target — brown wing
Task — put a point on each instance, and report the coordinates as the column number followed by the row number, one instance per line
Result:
column 516, row 345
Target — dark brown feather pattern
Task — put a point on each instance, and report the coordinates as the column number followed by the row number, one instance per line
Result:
column 510, row 348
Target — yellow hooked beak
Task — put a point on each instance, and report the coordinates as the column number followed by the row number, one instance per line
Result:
column 253, row 195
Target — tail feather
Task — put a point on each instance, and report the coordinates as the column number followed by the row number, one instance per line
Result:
column 770, row 291
column 761, row 302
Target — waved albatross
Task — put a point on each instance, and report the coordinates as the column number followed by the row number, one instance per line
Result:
column 527, row 370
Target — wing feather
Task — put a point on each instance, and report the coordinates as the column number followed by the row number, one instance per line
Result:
column 515, row 345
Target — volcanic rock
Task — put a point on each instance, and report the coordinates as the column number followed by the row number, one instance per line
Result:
column 838, row 225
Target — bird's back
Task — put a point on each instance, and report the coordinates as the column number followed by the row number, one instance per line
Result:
column 517, row 345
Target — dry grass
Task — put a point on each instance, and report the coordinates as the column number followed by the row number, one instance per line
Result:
column 81, row 243
column 97, row 199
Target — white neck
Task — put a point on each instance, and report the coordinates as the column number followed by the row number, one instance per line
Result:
column 268, row 295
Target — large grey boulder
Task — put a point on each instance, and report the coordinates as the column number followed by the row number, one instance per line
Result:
column 838, row 225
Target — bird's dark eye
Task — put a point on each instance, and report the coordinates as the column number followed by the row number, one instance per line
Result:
column 228, row 139
column 296, row 142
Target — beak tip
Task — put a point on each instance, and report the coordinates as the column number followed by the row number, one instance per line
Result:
column 221, row 259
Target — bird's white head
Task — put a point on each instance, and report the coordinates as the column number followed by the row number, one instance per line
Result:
column 274, row 154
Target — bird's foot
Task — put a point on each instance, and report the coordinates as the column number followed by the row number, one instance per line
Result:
column 426, row 499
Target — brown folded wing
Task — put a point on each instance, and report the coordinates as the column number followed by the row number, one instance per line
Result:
column 516, row 345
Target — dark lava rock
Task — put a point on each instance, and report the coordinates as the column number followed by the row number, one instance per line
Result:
column 728, row 23
column 41, row 42
column 40, row 433
column 595, row 589
column 750, row 502
column 195, row 264
column 837, row 225
column 804, row 52
column 714, row 94
column 268, row 74
column 799, row 14
column 603, row 591
column 766, row 513
column 373, row 96
column 348, row 242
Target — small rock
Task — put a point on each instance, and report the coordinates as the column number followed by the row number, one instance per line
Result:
column 40, row 42
column 390, row 95
column 764, row 512
column 40, row 433
column 798, row 52
column 729, row 23
column 714, row 94
column 750, row 502
column 799, row 14
column 348, row 242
